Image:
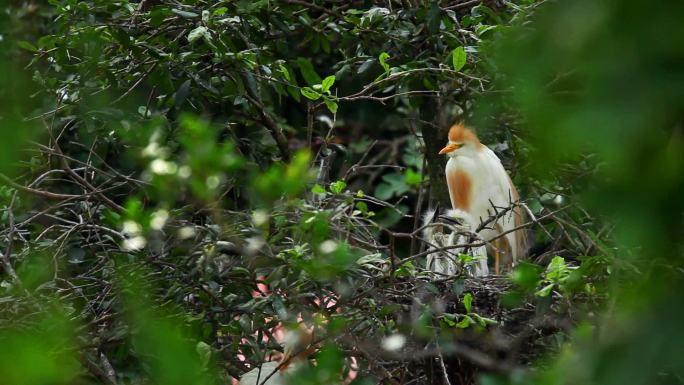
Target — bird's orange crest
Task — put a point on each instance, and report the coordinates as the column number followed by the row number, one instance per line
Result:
column 459, row 133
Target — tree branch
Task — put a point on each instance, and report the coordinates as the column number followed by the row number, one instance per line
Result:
column 268, row 121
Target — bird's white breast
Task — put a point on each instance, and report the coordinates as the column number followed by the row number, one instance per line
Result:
column 489, row 184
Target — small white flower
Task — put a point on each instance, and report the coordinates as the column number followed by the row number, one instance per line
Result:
column 152, row 150
column 135, row 243
column 213, row 182
column 131, row 228
column 558, row 200
column 254, row 245
column 162, row 167
column 393, row 342
column 159, row 219
column 260, row 217
column 328, row 246
column 186, row 232
column 184, row 172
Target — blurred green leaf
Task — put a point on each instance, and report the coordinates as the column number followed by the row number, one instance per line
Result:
column 309, row 93
column 338, row 187
column 308, row 71
column 199, row 32
column 526, row 275
column 468, row 302
column 318, row 189
column 393, row 184
column 327, row 83
column 45, row 355
column 185, row 14
column 458, row 58
column 27, row 46
column 412, row 178
column 546, row 290
column 382, row 59
column 464, row 322
column 332, row 106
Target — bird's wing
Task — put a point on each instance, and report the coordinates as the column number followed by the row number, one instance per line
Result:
column 503, row 193
column 250, row 378
column 499, row 182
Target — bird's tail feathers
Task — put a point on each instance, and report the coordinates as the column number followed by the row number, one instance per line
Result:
column 521, row 241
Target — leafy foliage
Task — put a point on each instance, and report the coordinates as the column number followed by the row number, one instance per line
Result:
column 180, row 203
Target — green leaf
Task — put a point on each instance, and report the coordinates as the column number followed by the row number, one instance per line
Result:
column 557, row 264
column 309, row 93
column 449, row 319
column 464, row 323
column 465, row 259
column 318, row 189
column 393, row 184
column 295, row 93
column 338, row 187
column 158, row 14
column 458, row 58
column 545, row 291
column 412, row 178
column 327, row 83
column 458, row 286
column 308, row 71
column 480, row 321
column 332, row 106
column 365, row 66
column 389, row 309
column 182, row 94
column 382, row 58
column 434, row 17
column 468, row 302
column 342, row 72
column 482, row 29
column 279, row 307
column 27, row 46
column 432, row 289
column 185, row 14
column 220, row 11
column 285, row 72
column 482, row 9
column 526, row 275
column 204, row 351
column 144, row 111
column 197, row 33
column 406, row 270
column 485, row 321
column 46, row 42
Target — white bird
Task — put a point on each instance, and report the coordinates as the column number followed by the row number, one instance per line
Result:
column 480, row 186
column 441, row 234
column 297, row 346
column 258, row 376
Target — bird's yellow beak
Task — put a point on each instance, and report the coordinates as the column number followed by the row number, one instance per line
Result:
column 449, row 148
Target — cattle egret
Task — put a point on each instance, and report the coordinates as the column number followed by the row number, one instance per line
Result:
column 480, row 186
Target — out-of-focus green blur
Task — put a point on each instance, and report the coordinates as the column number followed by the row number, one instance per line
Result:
column 607, row 77
column 16, row 88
